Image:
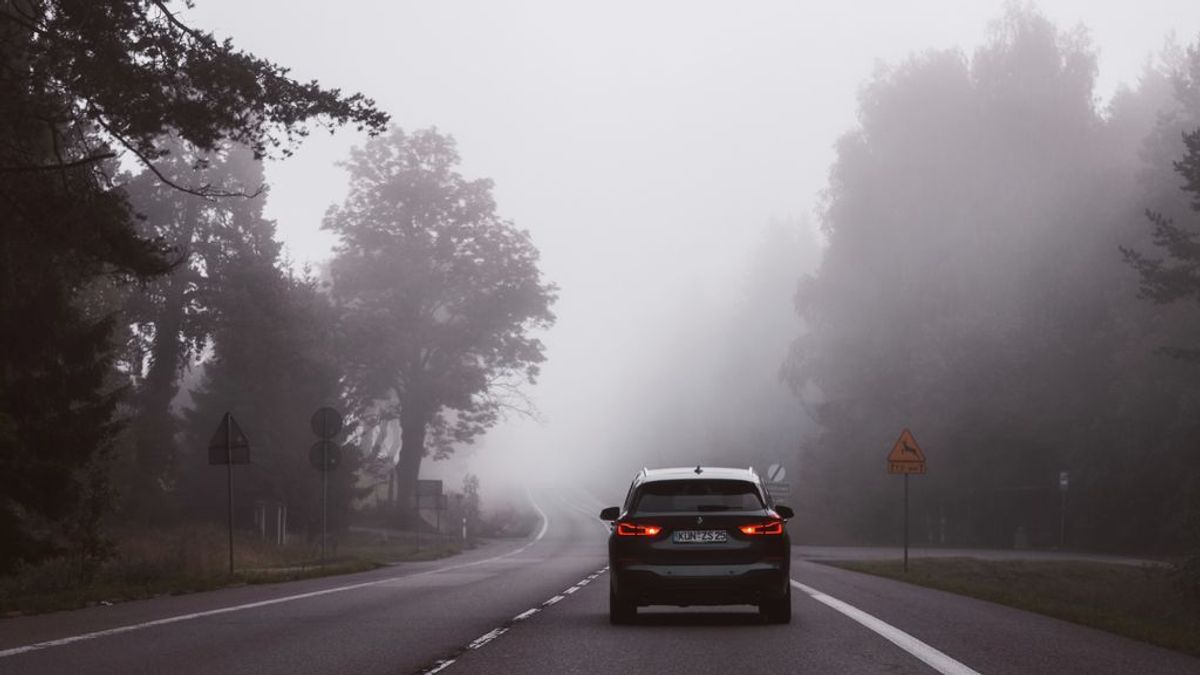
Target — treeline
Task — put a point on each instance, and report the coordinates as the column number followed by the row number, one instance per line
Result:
column 139, row 307
column 974, row 290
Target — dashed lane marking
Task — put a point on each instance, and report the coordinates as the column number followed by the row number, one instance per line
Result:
column 526, row 614
column 931, row 657
column 441, row 664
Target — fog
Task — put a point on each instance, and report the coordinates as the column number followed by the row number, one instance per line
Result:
column 650, row 149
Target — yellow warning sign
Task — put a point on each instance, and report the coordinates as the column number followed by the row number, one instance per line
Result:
column 906, row 455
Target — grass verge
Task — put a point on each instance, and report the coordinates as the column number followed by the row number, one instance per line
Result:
column 190, row 560
column 1143, row 603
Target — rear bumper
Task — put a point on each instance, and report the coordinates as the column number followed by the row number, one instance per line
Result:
column 701, row 584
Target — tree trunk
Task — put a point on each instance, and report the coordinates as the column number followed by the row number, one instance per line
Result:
column 408, row 466
column 154, row 431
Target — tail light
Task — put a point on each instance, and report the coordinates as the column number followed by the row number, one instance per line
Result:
column 769, row 527
column 635, row 530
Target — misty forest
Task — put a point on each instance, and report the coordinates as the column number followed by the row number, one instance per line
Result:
column 1001, row 261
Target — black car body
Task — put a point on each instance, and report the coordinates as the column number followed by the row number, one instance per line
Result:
column 699, row 536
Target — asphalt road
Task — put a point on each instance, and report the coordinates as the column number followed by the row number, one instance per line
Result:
column 540, row 606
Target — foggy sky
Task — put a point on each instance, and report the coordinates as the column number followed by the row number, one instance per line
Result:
column 644, row 145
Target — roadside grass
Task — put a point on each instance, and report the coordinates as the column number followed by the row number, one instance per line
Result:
column 192, row 559
column 1140, row 602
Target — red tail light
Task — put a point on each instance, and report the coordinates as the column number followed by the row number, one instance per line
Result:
column 769, row 527
column 634, row 530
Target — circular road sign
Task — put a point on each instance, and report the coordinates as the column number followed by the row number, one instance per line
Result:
column 326, row 422
column 325, row 455
column 776, row 473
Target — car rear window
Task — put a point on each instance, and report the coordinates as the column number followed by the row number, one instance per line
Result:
column 679, row 496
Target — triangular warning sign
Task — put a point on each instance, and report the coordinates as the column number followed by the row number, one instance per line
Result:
column 906, row 449
column 229, row 445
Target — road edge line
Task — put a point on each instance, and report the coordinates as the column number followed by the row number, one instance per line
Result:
column 930, row 656
column 71, row 639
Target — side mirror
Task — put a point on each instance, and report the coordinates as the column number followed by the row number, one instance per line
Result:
column 610, row 513
column 785, row 512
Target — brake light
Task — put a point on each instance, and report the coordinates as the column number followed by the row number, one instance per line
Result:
column 634, row 530
column 770, row 527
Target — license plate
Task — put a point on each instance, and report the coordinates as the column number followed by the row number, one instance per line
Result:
column 700, row 536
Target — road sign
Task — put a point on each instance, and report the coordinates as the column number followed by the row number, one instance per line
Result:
column 906, row 456
column 326, row 422
column 229, row 445
column 776, row 473
column 325, row 455
column 429, row 488
column 431, row 502
column 779, row 491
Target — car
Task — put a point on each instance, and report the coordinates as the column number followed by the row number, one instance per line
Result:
column 698, row 536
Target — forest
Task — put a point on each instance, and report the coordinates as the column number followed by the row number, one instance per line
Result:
column 145, row 295
column 1001, row 261
column 1010, row 272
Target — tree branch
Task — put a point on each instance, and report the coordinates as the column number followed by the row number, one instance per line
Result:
column 204, row 191
column 32, row 168
column 198, row 37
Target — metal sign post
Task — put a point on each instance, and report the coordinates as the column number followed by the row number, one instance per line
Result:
column 906, row 458
column 906, row 522
column 324, row 456
column 1064, row 481
column 229, row 485
column 229, row 446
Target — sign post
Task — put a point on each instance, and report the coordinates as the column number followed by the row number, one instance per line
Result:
column 428, row 495
column 229, row 446
column 906, row 458
column 324, row 456
column 1064, row 482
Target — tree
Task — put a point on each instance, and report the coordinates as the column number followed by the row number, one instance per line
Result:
column 1176, row 276
column 1172, row 279
column 273, row 364
column 173, row 317
column 966, row 292
column 80, row 82
column 438, row 295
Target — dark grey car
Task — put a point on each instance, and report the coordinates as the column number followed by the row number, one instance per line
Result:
column 699, row 536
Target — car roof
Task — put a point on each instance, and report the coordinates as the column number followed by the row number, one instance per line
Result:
column 690, row 473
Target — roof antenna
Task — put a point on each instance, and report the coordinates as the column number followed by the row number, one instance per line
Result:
column 698, row 469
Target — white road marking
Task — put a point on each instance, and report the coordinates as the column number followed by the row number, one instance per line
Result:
column 487, row 637
column 501, row 630
column 274, row 601
column 526, row 614
column 930, row 656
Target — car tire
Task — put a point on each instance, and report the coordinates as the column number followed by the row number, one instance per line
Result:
column 621, row 609
column 778, row 610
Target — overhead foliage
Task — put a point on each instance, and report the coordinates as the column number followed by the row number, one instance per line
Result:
column 81, row 83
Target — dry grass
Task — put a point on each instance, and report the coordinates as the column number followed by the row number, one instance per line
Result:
column 195, row 558
column 1144, row 603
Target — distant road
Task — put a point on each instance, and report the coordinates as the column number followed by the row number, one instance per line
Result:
column 540, row 606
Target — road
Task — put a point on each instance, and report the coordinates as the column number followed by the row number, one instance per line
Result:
column 540, row 606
